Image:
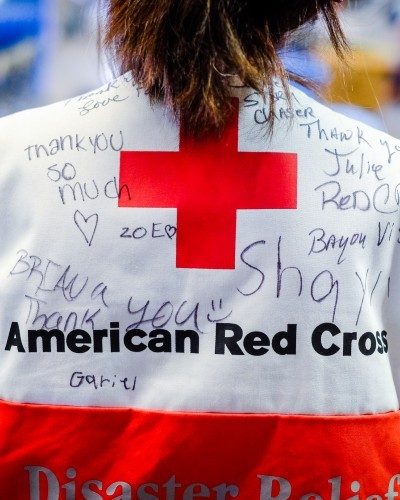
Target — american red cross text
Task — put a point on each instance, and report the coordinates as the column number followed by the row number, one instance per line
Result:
column 207, row 181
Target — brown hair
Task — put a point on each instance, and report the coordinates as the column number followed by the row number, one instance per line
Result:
column 179, row 51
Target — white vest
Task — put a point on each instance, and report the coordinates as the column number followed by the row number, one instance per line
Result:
column 274, row 290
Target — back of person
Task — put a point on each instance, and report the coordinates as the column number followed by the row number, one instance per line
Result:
column 198, row 317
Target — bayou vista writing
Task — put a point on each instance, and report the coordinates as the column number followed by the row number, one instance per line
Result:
column 270, row 488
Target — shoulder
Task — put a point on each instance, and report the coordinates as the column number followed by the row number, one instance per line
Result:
column 318, row 133
column 88, row 122
column 83, row 111
column 344, row 124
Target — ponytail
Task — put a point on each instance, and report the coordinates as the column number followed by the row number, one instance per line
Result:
column 181, row 51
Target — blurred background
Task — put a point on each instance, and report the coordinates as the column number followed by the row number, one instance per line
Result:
column 49, row 51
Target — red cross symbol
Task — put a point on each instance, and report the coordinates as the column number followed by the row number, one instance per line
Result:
column 207, row 181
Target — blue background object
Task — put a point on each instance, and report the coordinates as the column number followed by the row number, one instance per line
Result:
column 19, row 19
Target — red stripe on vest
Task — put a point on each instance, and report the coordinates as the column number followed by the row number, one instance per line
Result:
column 159, row 452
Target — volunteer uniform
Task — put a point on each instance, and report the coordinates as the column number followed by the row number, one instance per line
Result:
column 186, row 319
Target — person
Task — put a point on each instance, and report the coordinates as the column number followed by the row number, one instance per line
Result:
column 199, row 274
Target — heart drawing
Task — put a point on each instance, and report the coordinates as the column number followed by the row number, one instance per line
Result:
column 86, row 225
column 170, row 231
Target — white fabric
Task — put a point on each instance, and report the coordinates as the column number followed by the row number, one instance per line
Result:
column 349, row 285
